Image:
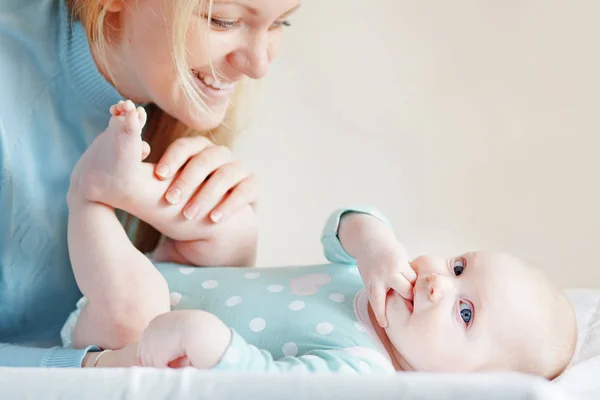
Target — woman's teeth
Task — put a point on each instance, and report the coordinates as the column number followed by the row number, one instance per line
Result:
column 214, row 83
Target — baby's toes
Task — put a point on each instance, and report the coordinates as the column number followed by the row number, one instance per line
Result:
column 128, row 106
column 116, row 122
column 117, row 109
column 132, row 123
column 142, row 115
column 145, row 150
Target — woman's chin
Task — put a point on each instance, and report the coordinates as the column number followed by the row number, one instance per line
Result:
column 200, row 120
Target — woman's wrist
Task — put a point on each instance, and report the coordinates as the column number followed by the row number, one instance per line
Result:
column 88, row 359
column 122, row 358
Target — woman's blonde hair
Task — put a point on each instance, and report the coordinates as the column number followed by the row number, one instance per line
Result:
column 162, row 129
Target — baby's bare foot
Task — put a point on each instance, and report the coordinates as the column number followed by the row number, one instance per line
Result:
column 104, row 172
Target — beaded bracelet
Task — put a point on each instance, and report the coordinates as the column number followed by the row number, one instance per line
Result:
column 98, row 357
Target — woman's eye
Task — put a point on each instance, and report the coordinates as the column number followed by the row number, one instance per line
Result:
column 222, row 23
column 466, row 312
column 459, row 267
column 279, row 24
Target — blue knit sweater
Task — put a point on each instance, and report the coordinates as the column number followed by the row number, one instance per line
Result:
column 53, row 102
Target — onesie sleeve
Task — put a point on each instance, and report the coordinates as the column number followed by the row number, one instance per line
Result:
column 332, row 247
column 243, row 357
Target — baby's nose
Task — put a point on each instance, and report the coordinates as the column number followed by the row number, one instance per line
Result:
column 437, row 287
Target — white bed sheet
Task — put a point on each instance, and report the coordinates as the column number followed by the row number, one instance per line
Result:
column 580, row 382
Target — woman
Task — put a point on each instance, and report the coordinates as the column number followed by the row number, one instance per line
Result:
column 64, row 63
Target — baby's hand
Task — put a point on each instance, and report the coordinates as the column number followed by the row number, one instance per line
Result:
column 184, row 338
column 383, row 268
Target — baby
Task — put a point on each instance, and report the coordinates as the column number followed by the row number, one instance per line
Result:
column 371, row 310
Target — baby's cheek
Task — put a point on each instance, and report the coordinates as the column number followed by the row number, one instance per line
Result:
column 421, row 343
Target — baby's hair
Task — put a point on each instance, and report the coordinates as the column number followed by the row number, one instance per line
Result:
column 547, row 349
column 566, row 333
column 162, row 129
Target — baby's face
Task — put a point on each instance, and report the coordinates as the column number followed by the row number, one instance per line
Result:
column 467, row 311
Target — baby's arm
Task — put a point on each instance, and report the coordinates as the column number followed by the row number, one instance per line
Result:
column 362, row 236
column 199, row 339
column 353, row 230
column 241, row 356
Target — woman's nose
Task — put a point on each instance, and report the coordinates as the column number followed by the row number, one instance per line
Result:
column 254, row 57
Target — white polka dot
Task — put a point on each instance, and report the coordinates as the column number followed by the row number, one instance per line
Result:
column 354, row 271
column 374, row 357
column 210, row 284
column 346, row 370
column 275, row 288
column 290, row 349
column 251, row 275
column 257, row 325
column 296, row 305
column 337, row 297
column 186, row 270
column 324, row 328
column 233, row 301
column 364, row 367
column 231, row 356
column 359, row 327
column 174, row 298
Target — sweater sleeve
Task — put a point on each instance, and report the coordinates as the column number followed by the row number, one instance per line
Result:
column 20, row 356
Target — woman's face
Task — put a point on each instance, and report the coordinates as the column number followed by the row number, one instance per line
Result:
column 240, row 40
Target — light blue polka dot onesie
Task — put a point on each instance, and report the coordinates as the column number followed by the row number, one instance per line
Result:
column 298, row 319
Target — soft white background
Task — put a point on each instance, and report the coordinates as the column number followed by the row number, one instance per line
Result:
column 470, row 124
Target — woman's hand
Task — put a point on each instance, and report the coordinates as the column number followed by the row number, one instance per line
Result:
column 207, row 179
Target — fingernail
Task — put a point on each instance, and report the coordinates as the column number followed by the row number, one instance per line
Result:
column 162, row 170
column 216, row 216
column 190, row 212
column 173, row 195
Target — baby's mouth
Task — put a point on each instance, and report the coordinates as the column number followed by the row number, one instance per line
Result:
column 410, row 305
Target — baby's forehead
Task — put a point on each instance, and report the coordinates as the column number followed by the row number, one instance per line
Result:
column 497, row 266
column 504, row 282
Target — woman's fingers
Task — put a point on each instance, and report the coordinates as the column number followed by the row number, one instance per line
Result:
column 195, row 172
column 178, row 153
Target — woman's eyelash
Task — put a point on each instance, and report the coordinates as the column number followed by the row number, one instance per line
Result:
column 223, row 23
column 226, row 24
column 279, row 24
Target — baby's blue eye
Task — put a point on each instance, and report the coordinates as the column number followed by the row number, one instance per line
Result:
column 466, row 313
column 458, row 267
